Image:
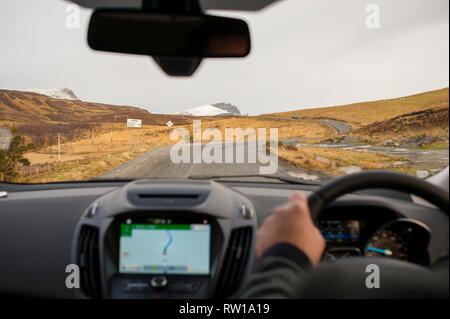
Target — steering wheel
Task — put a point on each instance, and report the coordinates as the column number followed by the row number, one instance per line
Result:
column 362, row 277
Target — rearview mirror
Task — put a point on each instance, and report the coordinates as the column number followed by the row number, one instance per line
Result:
column 168, row 34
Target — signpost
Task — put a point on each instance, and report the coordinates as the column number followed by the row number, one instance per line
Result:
column 134, row 123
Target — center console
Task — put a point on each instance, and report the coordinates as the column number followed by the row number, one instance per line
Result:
column 165, row 240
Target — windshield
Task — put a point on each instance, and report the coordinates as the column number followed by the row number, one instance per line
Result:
column 329, row 88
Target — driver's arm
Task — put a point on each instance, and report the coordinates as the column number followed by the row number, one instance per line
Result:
column 287, row 245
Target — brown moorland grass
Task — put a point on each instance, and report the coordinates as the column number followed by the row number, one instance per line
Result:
column 40, row 117
column 17, row 107
column 95, row 158
column 84, row 170
column 364, row 113
column 286, row 129
column 329, row 160
column 428, row 128
column 149, row 136
column 426, row 122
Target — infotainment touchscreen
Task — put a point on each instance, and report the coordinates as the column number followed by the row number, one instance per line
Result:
column 165, row 248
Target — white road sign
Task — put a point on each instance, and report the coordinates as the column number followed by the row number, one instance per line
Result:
column 133, row 123
column 169, row 124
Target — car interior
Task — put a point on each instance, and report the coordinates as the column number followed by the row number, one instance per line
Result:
column 355, row 213
column 394, row 220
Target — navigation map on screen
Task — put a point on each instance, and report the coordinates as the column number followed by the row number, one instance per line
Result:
column 165, row 248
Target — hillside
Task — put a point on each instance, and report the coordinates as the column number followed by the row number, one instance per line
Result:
column 412, row 123
column 361, row 114
column 28, row 107
column 36, row 115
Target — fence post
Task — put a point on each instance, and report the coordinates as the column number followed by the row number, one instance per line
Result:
column 59, row 147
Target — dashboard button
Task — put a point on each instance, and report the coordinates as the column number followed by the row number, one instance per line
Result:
column 158, row 282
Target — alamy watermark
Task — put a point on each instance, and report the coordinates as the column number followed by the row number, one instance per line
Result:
column 373, row 17
column 73, row 16
column 229, row 150
column 373, row 277
column 73, row 279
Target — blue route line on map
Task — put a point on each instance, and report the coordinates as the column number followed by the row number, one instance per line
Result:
column 168, row 244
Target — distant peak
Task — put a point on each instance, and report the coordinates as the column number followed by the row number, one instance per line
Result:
column 218, row 109
column 227, row 107
column 62, row 93
column 204, row 110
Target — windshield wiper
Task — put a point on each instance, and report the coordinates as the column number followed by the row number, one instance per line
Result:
column 285, row 179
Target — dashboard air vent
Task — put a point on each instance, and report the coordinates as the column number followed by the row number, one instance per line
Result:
column 236, row 258
column 89, row 261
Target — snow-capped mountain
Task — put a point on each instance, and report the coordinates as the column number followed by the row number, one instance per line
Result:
column 230, row 108
column 66, row 94
column 219, row 109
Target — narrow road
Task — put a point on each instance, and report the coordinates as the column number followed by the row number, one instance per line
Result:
column 340, row 127
column 157, row 163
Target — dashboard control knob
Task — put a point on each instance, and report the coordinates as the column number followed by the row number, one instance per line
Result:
column 158, row 282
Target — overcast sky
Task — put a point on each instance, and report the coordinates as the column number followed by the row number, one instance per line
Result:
column 305, row 54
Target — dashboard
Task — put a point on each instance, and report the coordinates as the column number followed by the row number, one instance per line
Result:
column 185, row 239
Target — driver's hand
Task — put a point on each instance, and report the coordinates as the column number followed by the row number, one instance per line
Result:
column 291, row 224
